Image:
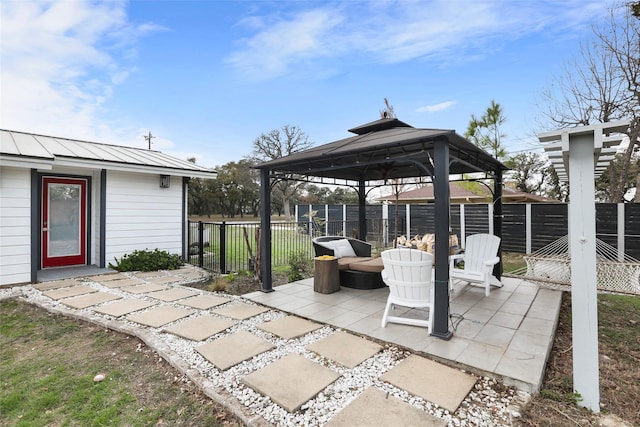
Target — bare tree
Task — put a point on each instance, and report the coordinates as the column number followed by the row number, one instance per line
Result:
column 280, row 143
column 603, row 85
column 529, row 171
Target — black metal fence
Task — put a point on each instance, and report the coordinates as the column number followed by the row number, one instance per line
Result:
column 228, row 246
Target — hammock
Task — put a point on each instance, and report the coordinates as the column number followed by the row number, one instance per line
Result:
column 550, row 266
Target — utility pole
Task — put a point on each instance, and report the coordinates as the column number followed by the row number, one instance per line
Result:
column 148, row 138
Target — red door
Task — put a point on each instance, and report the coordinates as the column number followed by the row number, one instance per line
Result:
column 64, row 222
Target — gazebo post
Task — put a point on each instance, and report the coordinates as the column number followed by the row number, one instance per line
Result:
column 362, row 211
column 265, row 232
column 497, row 218
column 440, row 327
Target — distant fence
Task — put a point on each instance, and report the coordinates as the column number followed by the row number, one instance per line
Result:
column 525, row 227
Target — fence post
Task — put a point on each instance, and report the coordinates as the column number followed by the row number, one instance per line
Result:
column 621, row 231
column 527, row 222
column 407, row 214
column 200, row 244
column 344, row 220
column 326, row 220
column 463, row 231
column 223, row 247
column 385, row 224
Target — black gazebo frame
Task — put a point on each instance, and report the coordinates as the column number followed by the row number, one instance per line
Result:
column 382, row 150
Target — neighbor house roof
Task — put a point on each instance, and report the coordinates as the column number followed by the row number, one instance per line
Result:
column 23, row 149
column 465, row 192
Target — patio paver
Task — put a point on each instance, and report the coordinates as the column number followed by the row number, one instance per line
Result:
column 163, row 280
column 159, row 316
column 103, row 278
column 425, row 378
column 72, row 291
column 289, row 327
column 240, row 311
column 126, row 306
column 143, row 289
column 172, row 294
column 374, row 408
column 55, row 284
column 200, row 328
column 281, row 381
column 228, row 351
column 346, row 349
column 204, row 302
column 119, row 283
column 87, row 300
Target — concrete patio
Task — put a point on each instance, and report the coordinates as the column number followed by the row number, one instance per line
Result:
column 507, row 335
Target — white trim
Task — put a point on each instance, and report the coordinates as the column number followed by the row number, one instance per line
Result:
column 621, row 231
column 527, row 225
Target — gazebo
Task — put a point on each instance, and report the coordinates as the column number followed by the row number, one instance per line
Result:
column 382, row 150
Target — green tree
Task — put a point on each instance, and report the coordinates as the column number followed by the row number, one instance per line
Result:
column 236, row 189
column 528, row 170
column 485, row 131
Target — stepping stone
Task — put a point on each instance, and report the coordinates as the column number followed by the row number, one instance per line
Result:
column 159, row 316
column 147, row 274
column 346, row 349
column 163, row 280
column 84, row 301
column 123, row 307
column 172, row 294
column 204, row 302
column 291, row 381
column 143, row 289
column 108, row 277
column 55, row 284
column 432, row 381
column 373, row 407
column 72, row 291
column 241, row 311
column 289, row 327
column 200, row 328
column 121, row 282
column 230, row 350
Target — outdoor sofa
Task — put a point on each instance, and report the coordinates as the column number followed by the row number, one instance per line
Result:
column 357, row 269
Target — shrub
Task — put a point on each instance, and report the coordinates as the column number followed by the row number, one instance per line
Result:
column 146, row 260
column 299, row 266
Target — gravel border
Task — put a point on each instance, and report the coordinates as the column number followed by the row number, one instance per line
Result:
column 490, row 403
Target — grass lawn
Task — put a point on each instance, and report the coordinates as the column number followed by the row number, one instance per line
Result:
column 49, row 362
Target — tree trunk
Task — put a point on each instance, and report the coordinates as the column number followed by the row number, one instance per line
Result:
column 636, row 199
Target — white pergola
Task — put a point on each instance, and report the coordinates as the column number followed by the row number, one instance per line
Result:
column 579, row 155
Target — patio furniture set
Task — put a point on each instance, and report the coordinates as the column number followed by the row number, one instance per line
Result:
column 407, row 272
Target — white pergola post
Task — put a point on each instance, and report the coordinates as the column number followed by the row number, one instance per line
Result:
column 581, row 154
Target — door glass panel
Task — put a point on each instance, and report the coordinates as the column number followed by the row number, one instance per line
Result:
column 64, row 219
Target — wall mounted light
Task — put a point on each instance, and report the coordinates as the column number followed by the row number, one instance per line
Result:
column 165, row 181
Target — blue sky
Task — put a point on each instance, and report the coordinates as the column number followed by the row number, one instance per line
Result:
column 208, row 77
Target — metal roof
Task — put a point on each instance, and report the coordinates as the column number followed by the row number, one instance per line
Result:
column 16, row 147
column 384, row 149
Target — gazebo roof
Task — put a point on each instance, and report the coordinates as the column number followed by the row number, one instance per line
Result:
column 385, row 149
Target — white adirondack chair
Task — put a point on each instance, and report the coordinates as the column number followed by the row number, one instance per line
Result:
column 407, row 272
column 481, row 254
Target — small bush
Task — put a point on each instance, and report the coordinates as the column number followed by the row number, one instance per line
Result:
column 146, row 260
column 299, row 266
column 218, row 285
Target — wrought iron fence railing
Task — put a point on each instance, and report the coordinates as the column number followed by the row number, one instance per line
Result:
column 228, row 246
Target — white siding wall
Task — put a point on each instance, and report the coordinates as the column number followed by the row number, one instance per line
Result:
column 15, row 226
column 141, row 215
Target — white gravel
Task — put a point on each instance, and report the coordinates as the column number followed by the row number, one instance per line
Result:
column 488, row 404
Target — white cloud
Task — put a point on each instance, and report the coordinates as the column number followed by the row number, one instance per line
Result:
column 436, row 107
column 395, row 32
column 59, row 64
